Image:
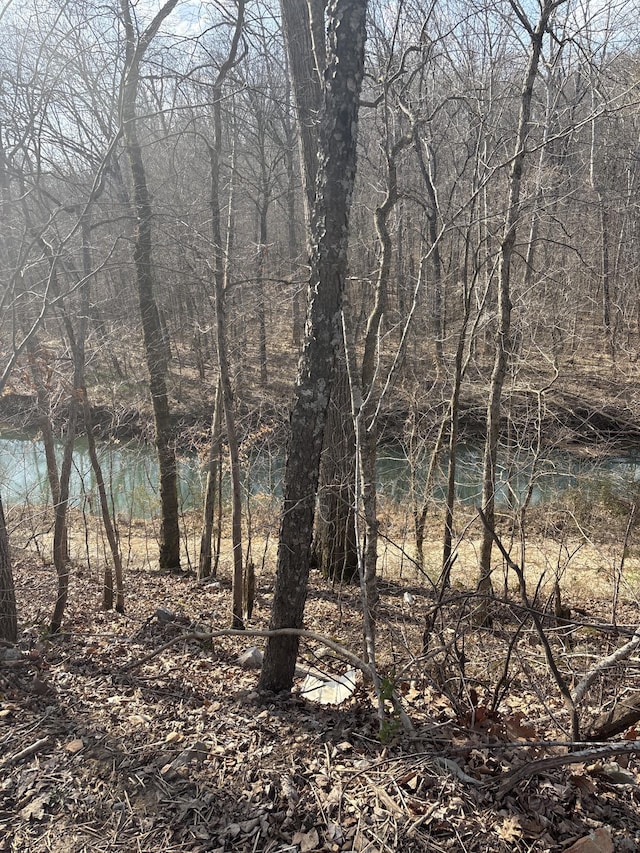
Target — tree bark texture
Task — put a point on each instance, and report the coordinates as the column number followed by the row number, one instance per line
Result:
column 335, row 547
column 8, row 610
column 328, row 266
column 155, row 345
column 306, row 77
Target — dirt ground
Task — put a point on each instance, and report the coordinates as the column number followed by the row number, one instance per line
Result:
column 99, row 752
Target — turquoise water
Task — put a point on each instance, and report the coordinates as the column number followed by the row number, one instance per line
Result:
column 131, row 475
column 130, row 472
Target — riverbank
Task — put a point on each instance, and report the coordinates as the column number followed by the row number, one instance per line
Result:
column 584, row 425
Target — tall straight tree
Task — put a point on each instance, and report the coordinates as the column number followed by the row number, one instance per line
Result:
column 155, row 346
column 503, row 327
column 334, row 547
column 220, row 282
column 328, row 267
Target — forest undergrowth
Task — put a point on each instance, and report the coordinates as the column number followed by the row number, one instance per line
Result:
column 102, row 751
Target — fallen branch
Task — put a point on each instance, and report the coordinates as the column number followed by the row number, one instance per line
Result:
column 622, row 716
column 27, row 752
column 303, row 633
column 534, row 768
column 621, row 654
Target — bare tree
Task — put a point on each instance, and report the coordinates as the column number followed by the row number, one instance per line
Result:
column 502, row 335
column 156, row 350
column 328, row 263
column 220, row 272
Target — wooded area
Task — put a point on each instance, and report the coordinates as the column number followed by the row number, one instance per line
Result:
column 243, row 230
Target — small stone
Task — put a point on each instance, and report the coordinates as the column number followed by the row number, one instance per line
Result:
column 251, row 658
column 164, row 615
column 11, row 654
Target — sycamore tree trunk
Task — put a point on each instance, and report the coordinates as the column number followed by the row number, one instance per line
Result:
column 328, row 267
column 502, row 335
column 155, row 345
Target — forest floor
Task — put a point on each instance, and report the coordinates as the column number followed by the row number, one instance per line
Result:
column 100, row 751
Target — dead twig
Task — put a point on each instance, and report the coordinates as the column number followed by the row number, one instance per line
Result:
column 534, row 768
column 27, row 752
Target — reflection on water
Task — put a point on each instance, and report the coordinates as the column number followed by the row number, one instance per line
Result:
column 131, row 475
column 553, row 475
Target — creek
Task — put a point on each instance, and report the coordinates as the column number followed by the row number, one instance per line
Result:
column 131, row 474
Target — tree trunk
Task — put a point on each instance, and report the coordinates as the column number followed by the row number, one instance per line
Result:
column 306, row 77
column 228, row 403
column 432, row 213
column 365, row 416
column 211, row 489
column 109, row 528
column 8, row 610
column 44, row 418
column 60, row 554
column 503, row 329
column 334, row 547
column 220, row 271
column 81, row 389
column 328, row 266
column 155, row 346
column 260, row 264
column 296, row 310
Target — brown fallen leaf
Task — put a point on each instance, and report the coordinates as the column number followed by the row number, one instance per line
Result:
column 510, row 829
column 583, row 783
column 596, row 842
column 307, row 841
column 35, row 809
column 517, row 730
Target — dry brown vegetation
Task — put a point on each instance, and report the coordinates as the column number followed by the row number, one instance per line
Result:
column 181, row 754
